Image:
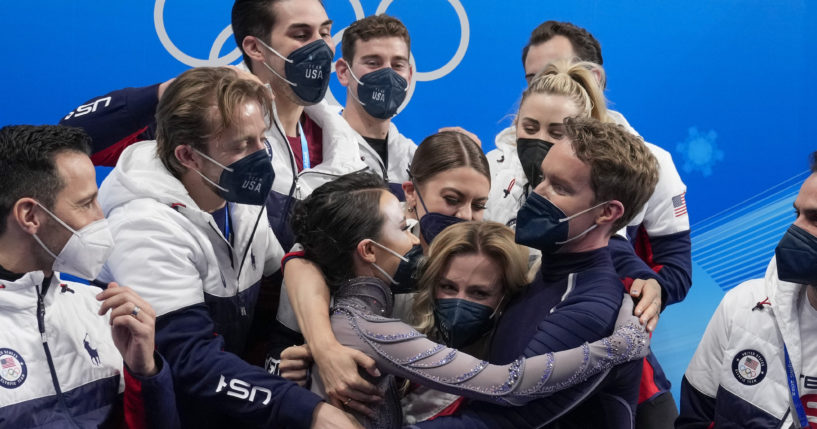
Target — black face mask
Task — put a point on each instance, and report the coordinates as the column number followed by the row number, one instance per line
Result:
column 404, row 276
column 432, row 223
column 246, row 181
column 796, row 257
column 531, row 154
column 307, row 70
column 380, row 92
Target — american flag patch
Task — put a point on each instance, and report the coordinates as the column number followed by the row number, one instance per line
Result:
column 751, row 363
column 679, row 203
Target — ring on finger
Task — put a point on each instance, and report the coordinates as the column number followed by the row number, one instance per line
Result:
column 135, row 311
column 347, row 401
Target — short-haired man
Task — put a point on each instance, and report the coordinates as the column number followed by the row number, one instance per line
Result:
column 187, row 215
column 63, row 343
column 756, row 365
column 661, row 264
column 594, row 182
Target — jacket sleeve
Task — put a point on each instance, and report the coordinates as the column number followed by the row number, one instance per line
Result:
column 161, row 262
column 697, row 408
column 150, row 402
column 116, row 120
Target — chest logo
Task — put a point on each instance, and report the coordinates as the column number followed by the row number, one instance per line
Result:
column 92, row 352
column 749, row 367
column 13, row 370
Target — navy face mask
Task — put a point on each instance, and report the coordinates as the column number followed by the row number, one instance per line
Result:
column 531, row 154
column 432, row 223
column 404, row 281
column 246, row 181
column 542, row 225
column 796, row 257
column 380, row 92
column 461, row 322
column 307, row 70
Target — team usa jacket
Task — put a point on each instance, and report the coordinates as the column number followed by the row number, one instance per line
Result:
column 204, row 288
column 59, row 367
column 659, row 234
column 737, row 376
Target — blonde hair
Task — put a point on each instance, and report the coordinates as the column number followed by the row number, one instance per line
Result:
column 492, row 239
column 576, row 81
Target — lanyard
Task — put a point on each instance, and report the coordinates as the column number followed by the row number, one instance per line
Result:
column 227, row 222
column 304, row 147
column 794, row 391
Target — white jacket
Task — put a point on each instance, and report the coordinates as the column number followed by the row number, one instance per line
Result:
column 171, row 252
column 401, row 151
column 737, row 330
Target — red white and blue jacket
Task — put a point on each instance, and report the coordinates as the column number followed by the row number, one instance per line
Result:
column 737, row 376
column 204, row 287
column 59, row 367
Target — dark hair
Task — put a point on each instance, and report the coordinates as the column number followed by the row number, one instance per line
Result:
column 622, row 167
column 813, row 162
column 372, row 27
column 585, row 46
column 27, row 160
column 331, row 221
column 185, row 114
column 444, row 151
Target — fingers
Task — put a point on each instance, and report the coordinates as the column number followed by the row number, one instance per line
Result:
column 360, row 407
column 653, row 323
column 116, row 296
column 462, row 131
column 366, row 362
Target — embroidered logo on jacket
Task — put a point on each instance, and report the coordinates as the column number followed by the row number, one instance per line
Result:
column 749, row 367
column 91, row 351
column 13, row 370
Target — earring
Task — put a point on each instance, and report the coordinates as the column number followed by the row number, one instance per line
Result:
column 412, row 209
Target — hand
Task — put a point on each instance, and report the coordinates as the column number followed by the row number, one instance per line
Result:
column 629, row 338
column 648, row 294
column 295, row 364
column 345, row 387
column 133, row 334
column 326, row 416
column 244, row 74
column 462, row 131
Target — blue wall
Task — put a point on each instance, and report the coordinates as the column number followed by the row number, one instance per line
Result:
column 726, row 87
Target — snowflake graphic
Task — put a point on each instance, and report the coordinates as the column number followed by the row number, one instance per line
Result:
column 700, row 151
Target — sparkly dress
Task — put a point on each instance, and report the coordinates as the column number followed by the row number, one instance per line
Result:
column 361, row 320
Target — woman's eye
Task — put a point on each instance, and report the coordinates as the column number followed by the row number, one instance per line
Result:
column 452, row 201
column 479, row 206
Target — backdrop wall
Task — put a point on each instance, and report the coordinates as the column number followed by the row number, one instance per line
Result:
column 726, row 87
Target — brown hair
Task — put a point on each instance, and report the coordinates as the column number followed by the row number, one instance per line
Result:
column 574, row 81
column 585, row 46
column 372, row 27
column 200, row 104
column 444, row 151
column 492, row 239
column 622, row 167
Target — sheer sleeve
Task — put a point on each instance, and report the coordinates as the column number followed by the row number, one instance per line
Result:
column 402, row 351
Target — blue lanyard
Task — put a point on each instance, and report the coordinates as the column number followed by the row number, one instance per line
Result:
column 304, row 147
column 795, row 392
column 227, row 222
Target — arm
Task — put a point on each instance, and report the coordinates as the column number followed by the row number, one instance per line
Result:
column 697, row 408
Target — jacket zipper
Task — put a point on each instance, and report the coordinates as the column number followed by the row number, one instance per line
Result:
column 54, row 379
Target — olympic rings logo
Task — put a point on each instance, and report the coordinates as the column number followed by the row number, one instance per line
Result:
column 215, row 60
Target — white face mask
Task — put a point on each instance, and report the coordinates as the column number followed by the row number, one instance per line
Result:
column 85, row 252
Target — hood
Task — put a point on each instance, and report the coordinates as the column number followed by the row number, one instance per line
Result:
column 140, row 174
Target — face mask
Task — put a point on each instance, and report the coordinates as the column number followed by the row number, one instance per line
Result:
column 404, row 276
column 380, row 92
column 85, row 252
column 531, row 154
column 542, row 225
column 382, row 271
column 246, row 181
column 796, row 257
column 461, row 322
column 432, row 224
column 307, row 70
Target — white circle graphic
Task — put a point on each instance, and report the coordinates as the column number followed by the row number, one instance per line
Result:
column 213, row 60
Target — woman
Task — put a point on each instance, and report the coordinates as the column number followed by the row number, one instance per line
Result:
column 472, row 271
column 449, row 183
column 355, row 231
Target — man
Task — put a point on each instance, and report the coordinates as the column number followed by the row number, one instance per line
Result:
column 594, row 182
column 376, row 71
column 660, row 270
column 187, row 215
column 63, row 343
column 756, row 365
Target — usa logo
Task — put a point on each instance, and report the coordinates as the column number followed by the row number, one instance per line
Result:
column 13, row 369
column 749, row 367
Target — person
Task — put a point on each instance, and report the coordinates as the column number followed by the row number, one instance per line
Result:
column 755, row 365
column 187, row 215
column 62, row 349
column 472, row 271
column 449, row 183
column 355, row 230
column 594, row 181
column 376, row 72
column 659, row 272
